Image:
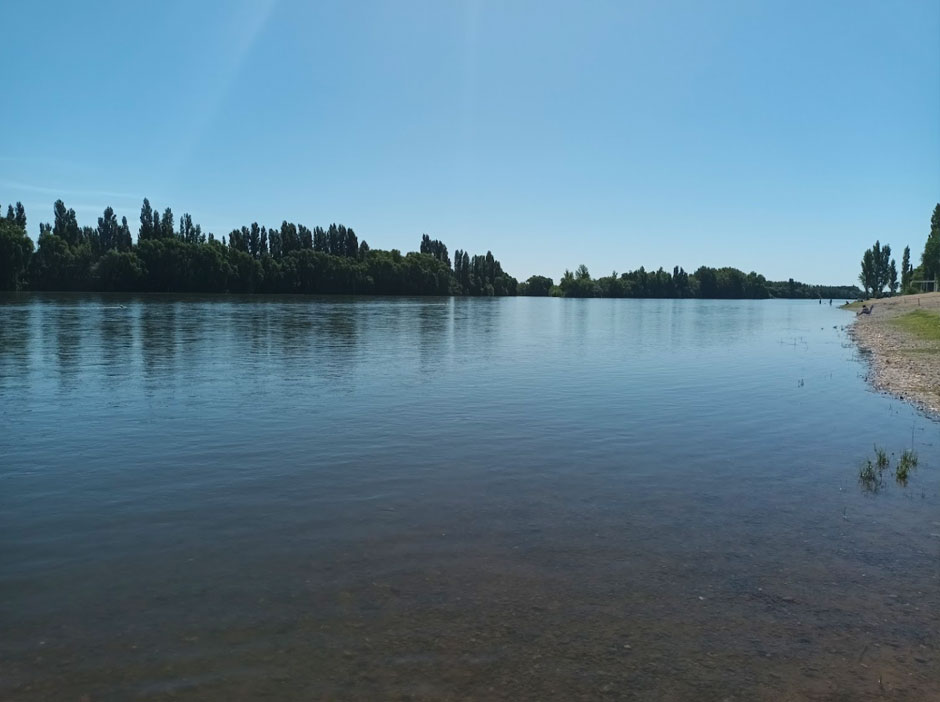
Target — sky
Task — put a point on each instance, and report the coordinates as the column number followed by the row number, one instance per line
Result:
column 780, row 137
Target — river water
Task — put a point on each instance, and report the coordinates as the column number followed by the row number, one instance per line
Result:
column 229, row 498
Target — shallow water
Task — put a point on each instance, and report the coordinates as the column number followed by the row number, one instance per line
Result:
column 337, row 498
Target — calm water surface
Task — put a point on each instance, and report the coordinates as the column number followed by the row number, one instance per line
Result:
column 330, row 498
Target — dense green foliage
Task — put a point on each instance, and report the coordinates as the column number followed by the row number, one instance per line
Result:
column 715, row 283
column 536, row 286
column 802, row 291
column 878, row 271
column 906, row 268
column 15, row 251
column 173, row 255
column 481, row 275
column 930, row 258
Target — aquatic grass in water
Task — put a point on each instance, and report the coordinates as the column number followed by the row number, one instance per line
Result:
column 871, row 472
column 906, row 464
column 881, row 458
column 869, row 477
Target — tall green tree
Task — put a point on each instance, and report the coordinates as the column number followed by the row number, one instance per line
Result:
column 16, row 248
column 290, row 239
column 867, row 276
column 930, row 259
column 320, row 241
column 65, row 224
column 125, row 241
column 434, row 248
column 146, row 222
column 17, row 215
column 884, row 265
column 109, row 233
column 305, row 236
column 352, row 245
column 189, row 232
column 878, row 270
column 906, row 268
column 166, row 225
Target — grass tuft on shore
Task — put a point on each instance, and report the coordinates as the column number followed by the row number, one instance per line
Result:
column 920, row 323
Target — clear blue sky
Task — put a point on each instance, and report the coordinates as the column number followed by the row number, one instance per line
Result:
column 782, row 137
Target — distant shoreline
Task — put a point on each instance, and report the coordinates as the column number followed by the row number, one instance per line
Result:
column 904, row 358
column 386, row 296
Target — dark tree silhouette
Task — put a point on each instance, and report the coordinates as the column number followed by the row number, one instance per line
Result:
column 292, row 258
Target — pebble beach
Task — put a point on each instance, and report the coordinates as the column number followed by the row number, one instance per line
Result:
column 902, row 363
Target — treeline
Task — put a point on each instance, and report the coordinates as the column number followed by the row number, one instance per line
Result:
column 177, row 256
column 927, row 275
column 929, row 268
column 712, row 283
column 171, row 257
column 879, row 270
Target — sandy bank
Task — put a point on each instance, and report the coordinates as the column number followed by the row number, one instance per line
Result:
column 902, row 363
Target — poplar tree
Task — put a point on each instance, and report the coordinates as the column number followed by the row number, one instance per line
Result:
column 867, row 276
column 930, row 259
column 906, row 268
column 108, row 231
column 146, row 222
column 166, row 225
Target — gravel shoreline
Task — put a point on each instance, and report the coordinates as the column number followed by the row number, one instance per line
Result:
column 900, row 363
